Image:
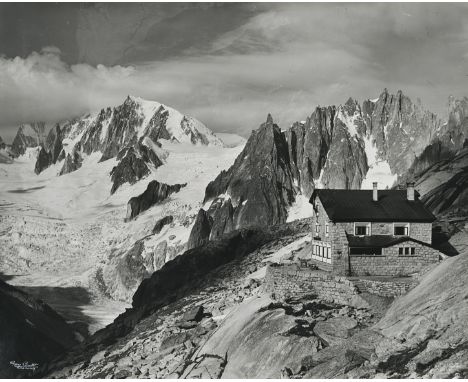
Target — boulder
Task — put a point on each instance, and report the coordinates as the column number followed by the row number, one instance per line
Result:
column 334, row 330
column 207, row 366
column 194, row 314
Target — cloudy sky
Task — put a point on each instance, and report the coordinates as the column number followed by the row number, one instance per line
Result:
column 226, row 64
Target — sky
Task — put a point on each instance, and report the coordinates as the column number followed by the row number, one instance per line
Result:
column 226, row 64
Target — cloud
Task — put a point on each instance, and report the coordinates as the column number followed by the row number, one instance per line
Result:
column 286, row 59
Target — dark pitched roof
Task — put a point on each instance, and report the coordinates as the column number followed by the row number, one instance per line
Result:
column 380, row 241
column 357, row 205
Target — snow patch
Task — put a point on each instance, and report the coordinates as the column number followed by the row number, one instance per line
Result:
column 300, row 209
column 349, row 121
column 379, row 170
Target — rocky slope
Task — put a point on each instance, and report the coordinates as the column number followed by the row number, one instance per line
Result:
column 32, row 333
column 157, row 337
column 212, row 320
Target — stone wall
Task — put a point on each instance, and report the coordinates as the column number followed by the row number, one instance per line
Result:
column 285, row 281
column 391, row 263
column 391, row 288
column 291, row 281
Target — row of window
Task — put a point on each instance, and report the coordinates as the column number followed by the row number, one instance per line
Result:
column 321, row 251
column 364, row 229
column 317, row 228
column 406, row 251
column 402, row 251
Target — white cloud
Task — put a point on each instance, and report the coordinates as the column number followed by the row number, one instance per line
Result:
column 286, row 60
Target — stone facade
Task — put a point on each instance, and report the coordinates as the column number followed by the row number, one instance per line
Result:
column 390, row 263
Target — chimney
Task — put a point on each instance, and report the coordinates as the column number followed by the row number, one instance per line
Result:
column 375, row 195
column 410, row 190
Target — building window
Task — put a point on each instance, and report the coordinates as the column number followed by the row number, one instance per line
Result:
column 406, row 251
column 321, row 252
column 401, row 229
column 317, row 228
column 326, row 229
column 367, row 251
column 362, row 229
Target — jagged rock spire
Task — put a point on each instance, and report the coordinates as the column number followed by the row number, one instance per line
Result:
column 269, row 119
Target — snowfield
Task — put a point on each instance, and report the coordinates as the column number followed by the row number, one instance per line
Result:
column 60, row 235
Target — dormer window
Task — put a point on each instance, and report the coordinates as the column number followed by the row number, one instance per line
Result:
column 362, row 229
column 401, row 229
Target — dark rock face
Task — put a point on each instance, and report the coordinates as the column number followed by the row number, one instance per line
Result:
column 31, row 332
column 44, row 160
column 31, row 135
column 155, row 193
column 72, row 163
column 2, row 144
column 133, row 165
column 394, row 120
column 447, row 142
column 450, row 196
column 258, row 187
column 201, row 230
column 51, row 151
column 161, row 223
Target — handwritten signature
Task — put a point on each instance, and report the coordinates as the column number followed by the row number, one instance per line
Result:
column 24, row 365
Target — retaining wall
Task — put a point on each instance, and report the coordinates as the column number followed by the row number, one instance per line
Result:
column 284, row 281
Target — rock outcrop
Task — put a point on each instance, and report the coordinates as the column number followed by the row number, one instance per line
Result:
column 72, row 163
column 44, row 160
column 28, row 135
column 2, row 144
column 161, row 223
column 31, row 333
column 133, row 165
column 51, row 151
column 200, row 233
column 155, row 193
column 258, row 187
